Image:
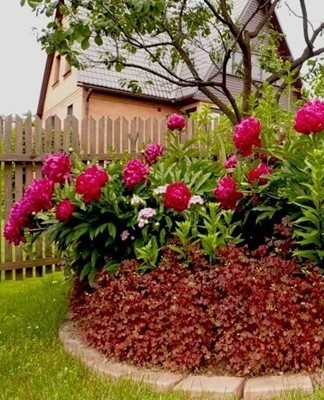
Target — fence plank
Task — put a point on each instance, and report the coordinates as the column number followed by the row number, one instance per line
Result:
column 25, row 143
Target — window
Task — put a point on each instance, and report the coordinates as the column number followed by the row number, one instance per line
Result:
column 67, row 69
column 57, row 67
column 69, row 110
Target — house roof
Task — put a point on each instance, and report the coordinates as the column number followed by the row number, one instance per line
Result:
column 97, row 74
column 98, row 77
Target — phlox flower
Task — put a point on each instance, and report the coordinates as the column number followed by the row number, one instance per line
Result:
column 160, row 190
column 144, row 215
column 195, row 200
column 137, row 200
column 124, row 235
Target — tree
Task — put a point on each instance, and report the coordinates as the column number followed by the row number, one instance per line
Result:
column 169, row 32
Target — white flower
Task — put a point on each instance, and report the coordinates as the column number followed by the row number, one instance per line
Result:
column 160, row 190
column 144, row 215
column 195, row 200
column 137, row 200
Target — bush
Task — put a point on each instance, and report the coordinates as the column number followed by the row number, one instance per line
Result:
column 193, row 299
column 253, row 313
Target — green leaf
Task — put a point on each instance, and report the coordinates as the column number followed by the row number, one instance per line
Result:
column 85, row 44
column 112, row 230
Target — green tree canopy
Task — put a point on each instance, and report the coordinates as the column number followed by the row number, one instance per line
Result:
column 175, row 35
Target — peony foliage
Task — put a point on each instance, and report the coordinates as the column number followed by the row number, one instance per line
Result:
column 184, row 194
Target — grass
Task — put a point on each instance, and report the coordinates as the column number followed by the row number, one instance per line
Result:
column 33, row 363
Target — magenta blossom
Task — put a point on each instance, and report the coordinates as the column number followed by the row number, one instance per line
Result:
column 13, row 232
column 230, row 162
column 226, row 193
column 177, row 196
column 57, row 167
column 255, row 175
column 64, row 210
column 19, row 217
column 176, row 122
column 310, row 117
column 134, row 173
column 152, row 152
column 247, row 135
column 90, row 182
column 39, row 195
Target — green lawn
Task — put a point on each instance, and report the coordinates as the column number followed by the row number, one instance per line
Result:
column 33, row 363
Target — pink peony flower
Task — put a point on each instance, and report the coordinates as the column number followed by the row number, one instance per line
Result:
column 39, row 195
column 230, row 162
column 226, row 193
column 176, row 122
column 13, row 232
column 90, row 182
column 134, row 173
column 64, row 210
column 57, row 167
column 310, row 117
column 152, row 152
column 254, row 175
column 177, row 196
column 247, row 135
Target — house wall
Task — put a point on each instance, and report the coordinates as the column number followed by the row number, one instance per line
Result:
column 62, row 92
column 101, row 104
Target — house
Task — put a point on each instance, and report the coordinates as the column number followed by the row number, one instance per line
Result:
column 97, row 91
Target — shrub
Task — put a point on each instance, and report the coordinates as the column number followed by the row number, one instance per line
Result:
column 253, row 313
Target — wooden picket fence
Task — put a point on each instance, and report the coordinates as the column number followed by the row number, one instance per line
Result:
column 24, row 143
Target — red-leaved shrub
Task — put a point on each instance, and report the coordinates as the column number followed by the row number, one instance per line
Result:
column 253, row 313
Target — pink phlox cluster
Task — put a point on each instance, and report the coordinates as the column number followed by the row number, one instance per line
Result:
column 124, row 235
column 144, row 216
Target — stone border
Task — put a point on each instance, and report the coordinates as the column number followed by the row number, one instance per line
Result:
column 197, row 386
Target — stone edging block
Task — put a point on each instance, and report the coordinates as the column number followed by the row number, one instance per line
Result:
column 196, row 386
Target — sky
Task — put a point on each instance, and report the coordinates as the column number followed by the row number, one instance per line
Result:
column 22, row 60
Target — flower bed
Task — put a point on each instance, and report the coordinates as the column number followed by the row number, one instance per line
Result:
column 204, row 254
